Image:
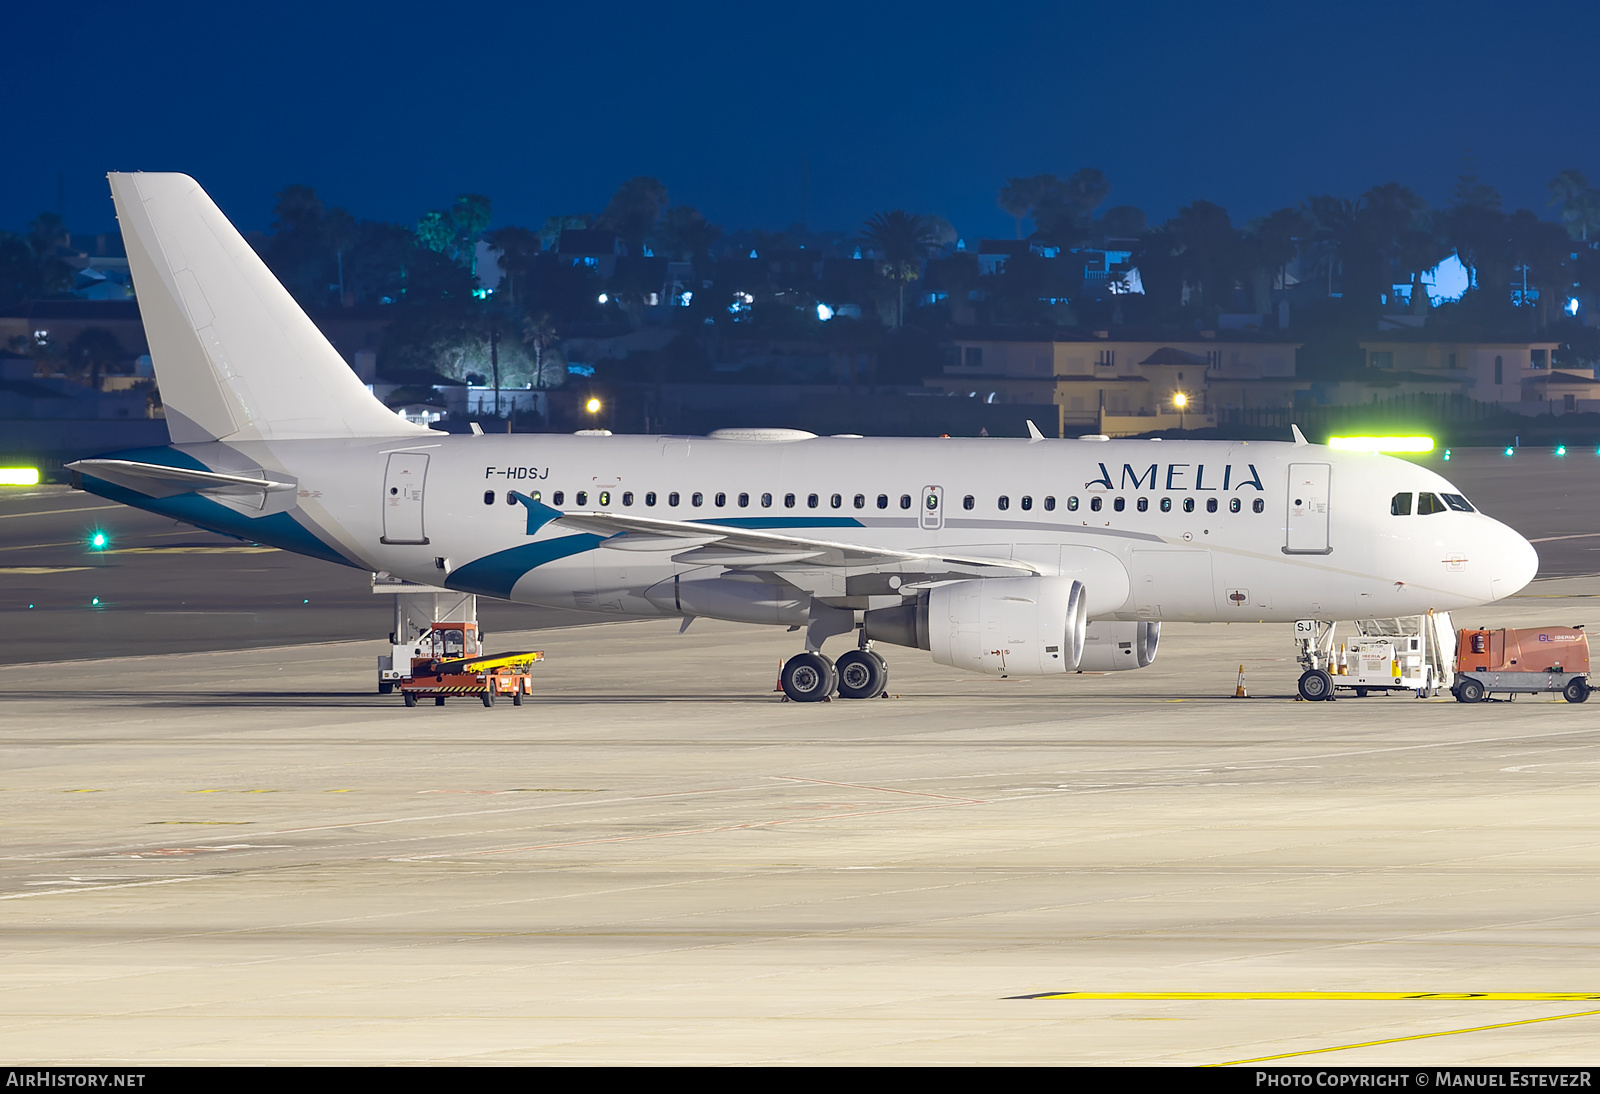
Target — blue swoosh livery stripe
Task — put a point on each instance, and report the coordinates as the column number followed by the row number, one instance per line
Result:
column 497, row 574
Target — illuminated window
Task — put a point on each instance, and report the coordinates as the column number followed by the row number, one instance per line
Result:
column 744, row 501
column 811, row 501
column 488, row 497
column 581, row 499
column 1258, row 506
column 1005, row 502
column 672, row 498
column 1143, row 504
column 1188, row 505
column 968, row 502
column 650, row 497
column 1400, row 505
column 627, row 497
column 697, row 499
column 1235, row 505
column 1166, row 505
column 1072, row 504
column 766, row 501
column 1095, row 503
column 1027, row 501
column 1211, row 505
column 1428, row 504
column 905, row 501
column 605, row 497
column 535, row 497
column 1119, row 504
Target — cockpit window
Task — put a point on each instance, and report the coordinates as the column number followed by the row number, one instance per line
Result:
column 1458, row 503
column 1400, row 506
column 1428, row 503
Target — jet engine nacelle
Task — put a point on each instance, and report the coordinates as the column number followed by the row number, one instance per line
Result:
column 1110, row 646
column 1008, row 626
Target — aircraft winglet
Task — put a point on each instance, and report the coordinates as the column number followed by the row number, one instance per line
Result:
column 1299, row 437
column 1033, row 432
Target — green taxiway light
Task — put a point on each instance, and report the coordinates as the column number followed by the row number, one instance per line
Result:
column 1561, row 450
column 99, row 541
column 1510, row 451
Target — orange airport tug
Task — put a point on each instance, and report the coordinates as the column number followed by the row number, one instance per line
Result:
column 448, row 661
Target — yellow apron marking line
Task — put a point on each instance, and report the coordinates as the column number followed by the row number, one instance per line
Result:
column 35, row 570
column 53, row 512
column 1413, row 1037
column 1369, row 996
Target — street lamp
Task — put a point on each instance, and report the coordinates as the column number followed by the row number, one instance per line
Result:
column 592, row 406
column 1180, row 400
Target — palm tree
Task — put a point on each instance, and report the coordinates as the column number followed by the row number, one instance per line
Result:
column 903, row 240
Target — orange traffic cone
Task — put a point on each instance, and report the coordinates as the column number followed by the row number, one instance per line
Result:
column 778, row 687
column 1238, row 689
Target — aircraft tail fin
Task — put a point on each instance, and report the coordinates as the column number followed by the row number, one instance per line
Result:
column 235, row 357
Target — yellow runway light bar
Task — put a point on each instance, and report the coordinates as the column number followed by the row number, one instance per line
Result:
column 19, row 476
column 1382, row 444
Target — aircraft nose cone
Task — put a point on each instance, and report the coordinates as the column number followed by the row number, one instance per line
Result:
column 1515, row 563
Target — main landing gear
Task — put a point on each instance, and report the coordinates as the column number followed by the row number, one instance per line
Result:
column 812, row 678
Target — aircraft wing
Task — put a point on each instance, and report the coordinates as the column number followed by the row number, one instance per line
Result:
column 713, row 544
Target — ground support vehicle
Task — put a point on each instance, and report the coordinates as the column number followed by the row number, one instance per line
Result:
column 448, row 660
column 1522, row 661
column 1414, row 653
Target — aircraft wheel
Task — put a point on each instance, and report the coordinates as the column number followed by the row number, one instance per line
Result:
column 411, row 700
column 862, row 675
column 1469, row 691
column 808, row 678
column 1576, row 691
column 1316, row 686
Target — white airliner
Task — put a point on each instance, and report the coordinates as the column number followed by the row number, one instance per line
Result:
column 1020, row 557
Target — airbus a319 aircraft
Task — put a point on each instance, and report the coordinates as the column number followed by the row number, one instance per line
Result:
column 998, row 556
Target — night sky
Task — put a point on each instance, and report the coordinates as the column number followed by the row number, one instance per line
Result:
column 391, row 109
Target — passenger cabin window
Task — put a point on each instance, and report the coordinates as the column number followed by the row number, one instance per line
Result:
column 883, row 501
column 905, row 501
column 1119, row 504
column 1049, row 504
column 1428, row 504
column 581, row 499
column 859, row 501
column 697, row 499
column 1096, row 503
column 627, row 497
column 1211, row 505
column 1166, row 505
column 649, row 497
column 766, row 501
column 1143, row 504
column 1235, row 505
column 744, row 501
column 836, row 501
column 672, row 498
column 1400, row 505
column 788, row 501
column 1004, row 503
column 721, row 500
column 968, row 502
column 1027, row 501
column 605, row 497
column 1458, row 503
column 1188, row 505
column 1258, row 506
column 488, row 497
column 1072, row 504
column 511, row 497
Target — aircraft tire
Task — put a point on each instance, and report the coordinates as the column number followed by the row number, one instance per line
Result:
column 1316, row 686
column 862, row 675
column 1469, row 691
column 1576, row 691
column 808, row 678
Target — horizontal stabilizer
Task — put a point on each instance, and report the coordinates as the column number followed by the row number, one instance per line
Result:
column 174, row 480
